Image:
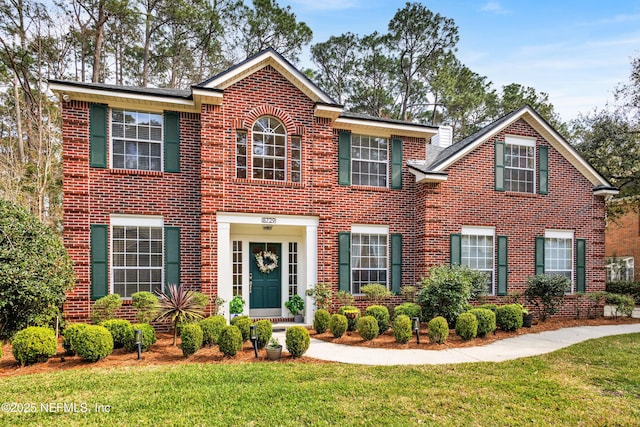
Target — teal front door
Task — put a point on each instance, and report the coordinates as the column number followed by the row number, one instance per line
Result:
column 266, row 287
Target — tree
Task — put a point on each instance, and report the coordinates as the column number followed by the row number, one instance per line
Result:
column 336, row 58
column 35, row 271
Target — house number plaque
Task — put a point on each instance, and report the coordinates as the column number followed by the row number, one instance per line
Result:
column 267, row 220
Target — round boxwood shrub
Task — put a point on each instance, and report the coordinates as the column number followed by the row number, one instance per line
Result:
column 34, row 344
column 264, row 330
column 297, row 340
column 338, row 325
column 409, row 309
column 486, row 320
column 105, row 308
column 70, row 334
column 211, row 328
column 148, row 337
column 467, row 326
column 321, row 321
column 230, row 340
column 352, row 313
column 243, row 323
column 381, row 313
column 438, row 331
column 402, row 328
column 120, row 329
column 509, row 317
column 191, row 339
column 94, row 343
column 488, row 306
column 368, row 327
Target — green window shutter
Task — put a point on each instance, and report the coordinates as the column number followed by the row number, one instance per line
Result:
column 543, row 170
column 98, row 136
column 539, row 255
column 344, row 158
column 171, row 141
column 99, row 261
column 503, row 270
column 344, row 261
column 455, row 245
column 172, row 255
column 499, row 172
column 396, row 263
column 396, row 164
column 581, row 265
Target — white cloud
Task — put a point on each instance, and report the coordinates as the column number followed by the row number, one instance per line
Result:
column 494, row 7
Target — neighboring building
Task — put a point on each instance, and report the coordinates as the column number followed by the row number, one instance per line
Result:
column 192, row 187
column 622, row 247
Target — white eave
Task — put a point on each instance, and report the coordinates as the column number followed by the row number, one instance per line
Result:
column 606, row 191
column 382, row 128
column 328, row 111
column 424, row 177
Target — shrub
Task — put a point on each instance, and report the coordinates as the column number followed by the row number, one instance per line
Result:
column 146, row 306
column 230, row 340
column 467, row 326
column 344, row 298
column 408, row 309
column 34, row 344
column 200, row 299
column 264, row 330
column 321, row 321
column 368, row 327
column 486, row 320
column 546, row 293
column 297, row 340
column 120, row 329
column 94, row 343
column 438, row 330
column 409, row 292
column 148, row 337
column 338, row 325
column 295, row 305
column 448, row 290
column 105, row 308
column 509, row 317
column 402, row 328
column 191, row 339
column 179, row 305
column 492, row 307
column 211, row 328
column 321, row 294
column 236, row 305
column 625, row 287
column 352, row 313
column 375, row 292
column 35, row 271
column 243, row 323
column 381, row 313
column 624, row 304
column 70, row 334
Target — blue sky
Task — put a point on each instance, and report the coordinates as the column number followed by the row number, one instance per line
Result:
column 576, row 51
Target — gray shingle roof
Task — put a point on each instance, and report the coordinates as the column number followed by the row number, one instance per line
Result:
column 153, row 91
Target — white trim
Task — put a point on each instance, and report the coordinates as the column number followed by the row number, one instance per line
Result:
column 383, row 129
column 246, row 218
column 558, row 234
column 520, row 140
column 369, row 229
column 136, row 220
column 327, row 111
column 478, row 231
column 118, row 93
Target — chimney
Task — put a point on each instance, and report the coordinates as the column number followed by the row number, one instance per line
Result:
column 443, row 138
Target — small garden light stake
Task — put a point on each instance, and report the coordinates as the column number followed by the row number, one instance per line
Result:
column 253, row 332
column 416, row 328
column 138, row 336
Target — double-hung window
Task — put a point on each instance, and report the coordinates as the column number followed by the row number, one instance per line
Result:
column 136, row 140
column 369, row 161
column 520, row 164
column 558, row 253
column 369, row 256
column 477, row 252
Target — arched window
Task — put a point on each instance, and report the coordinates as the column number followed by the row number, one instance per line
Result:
column 269, row 141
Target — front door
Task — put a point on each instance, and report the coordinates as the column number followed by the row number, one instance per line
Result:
column 265, row 288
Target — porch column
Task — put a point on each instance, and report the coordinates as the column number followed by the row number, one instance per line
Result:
column 311, row 278
column 225, row 278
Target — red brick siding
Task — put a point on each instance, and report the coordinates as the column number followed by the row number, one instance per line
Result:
column 622, row 239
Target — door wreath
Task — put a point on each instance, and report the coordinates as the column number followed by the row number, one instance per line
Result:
column 267, row 261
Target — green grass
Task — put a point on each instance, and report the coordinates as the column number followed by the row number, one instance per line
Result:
column 594, row 383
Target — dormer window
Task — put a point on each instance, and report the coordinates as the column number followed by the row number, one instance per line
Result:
column 520, row 163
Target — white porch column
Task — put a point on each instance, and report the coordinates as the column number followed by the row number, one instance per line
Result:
column 225, row 278
column 311, row 279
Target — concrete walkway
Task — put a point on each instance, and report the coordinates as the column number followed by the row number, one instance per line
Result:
column 506, row 349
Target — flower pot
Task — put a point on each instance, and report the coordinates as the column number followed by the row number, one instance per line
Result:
column 526, row 320
column 298, row 318
column 274, row 353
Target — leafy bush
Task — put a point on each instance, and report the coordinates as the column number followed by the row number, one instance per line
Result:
column 34, row 344
column 264, row 330
column 70, row 334
column 148, row 337
column 146, row 306
column 236, row 305
column 546, row 293
column 408, row 309
column 352, row 313
column 509, row 317
column 448, row 290
column 35, row 271
column 409, row 292
column 338, row 325
column 438, row 331
column 381, row 314
column 295, row 305
column 344, row 298
column 402, row 329
column 191, row 337
column 230, row 340
column 211, row 328
column 486, row 320
column 179, row 305
column 120, row 329
column 105, row 308
column 321, row 321
column 297, row 340
column 243, row 323
column 201, row 300
column 624, row 304
column 375, row 292
column 625, row 287
column 321, row 294
column 94, row 343
column 467, row 326
column 492, row 307
column 368, row 327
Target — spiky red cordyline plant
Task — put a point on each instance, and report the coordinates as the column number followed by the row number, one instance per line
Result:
column 178, row 305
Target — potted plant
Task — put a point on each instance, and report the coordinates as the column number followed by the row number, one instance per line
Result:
column 274, row 349
column 295, row 305
column 236, row 306
column 527, row 318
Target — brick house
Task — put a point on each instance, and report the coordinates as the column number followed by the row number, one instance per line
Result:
column 198, row 186
column 622, row 246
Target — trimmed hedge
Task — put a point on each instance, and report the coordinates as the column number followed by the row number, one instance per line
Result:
column 297, row 340
column 321, row 321
column 70, row 334
column 438, row 330
column 94, row 343
column 467, row 326
column 402, row 329
column 148, row 337
column 381, row 313
column 486, row 320
column 34, row 344
column 120, row 329
column 509, row 317
column 264, row 330
column 352, row 321
column 243, row 323
column 624, row 304
column 409, row 309
column 338, row 325
column 625, row 287
column 230, row 340
column 211, row 328
column 368, row 327
column 105, row 308
column 191, row 339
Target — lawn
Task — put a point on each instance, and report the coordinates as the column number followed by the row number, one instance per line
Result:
column 593, row 383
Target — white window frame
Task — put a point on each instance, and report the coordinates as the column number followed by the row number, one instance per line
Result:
column 523, row 142
column 380, row 230
column 134, row 221
column 485, row 232
column 564, row 235
column 613, row 273
column 384, row 162
column 264, row 157
column 124, row 138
